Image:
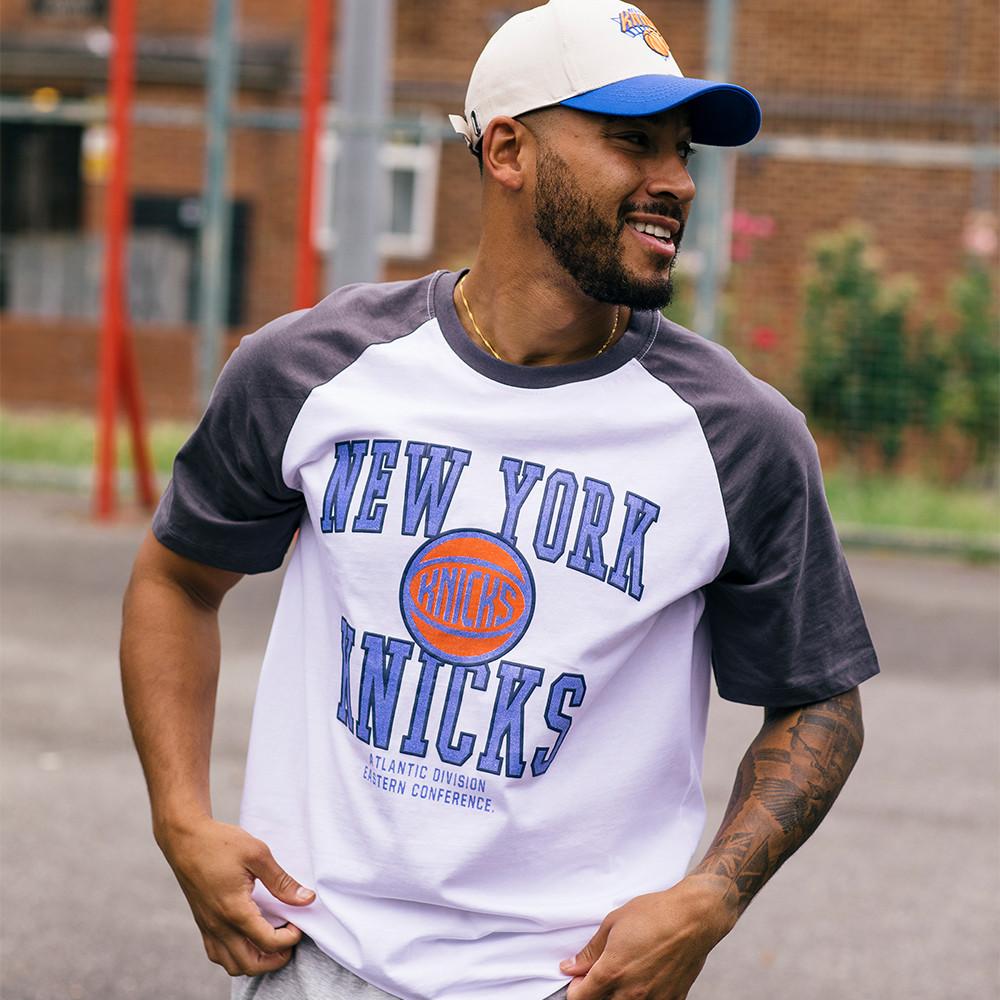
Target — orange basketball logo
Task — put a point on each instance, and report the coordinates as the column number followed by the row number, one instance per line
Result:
column 467, row 597
column 634, row 22
column 657, row 43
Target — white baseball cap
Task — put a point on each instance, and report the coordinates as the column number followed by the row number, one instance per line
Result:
column 604, row 56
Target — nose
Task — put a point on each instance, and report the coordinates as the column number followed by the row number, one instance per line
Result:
column 670, row 178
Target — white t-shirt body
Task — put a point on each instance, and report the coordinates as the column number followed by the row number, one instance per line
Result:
column 482, row 707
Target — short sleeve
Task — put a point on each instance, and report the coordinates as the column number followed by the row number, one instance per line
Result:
column 786, row 624
column 226, row 504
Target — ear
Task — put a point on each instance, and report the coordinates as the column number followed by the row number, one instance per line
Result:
column 508, row 150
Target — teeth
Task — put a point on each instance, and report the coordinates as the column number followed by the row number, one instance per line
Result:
column 650, row 230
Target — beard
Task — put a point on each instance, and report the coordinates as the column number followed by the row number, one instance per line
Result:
column 590, row 249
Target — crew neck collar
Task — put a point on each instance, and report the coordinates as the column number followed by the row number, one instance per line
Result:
column 636, row 339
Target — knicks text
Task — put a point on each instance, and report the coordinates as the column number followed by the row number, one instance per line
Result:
column 379, row 718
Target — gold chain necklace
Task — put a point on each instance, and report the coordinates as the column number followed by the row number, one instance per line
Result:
column 493, row 350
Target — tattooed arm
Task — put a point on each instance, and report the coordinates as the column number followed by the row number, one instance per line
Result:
column 655, row 945
column 786, row 783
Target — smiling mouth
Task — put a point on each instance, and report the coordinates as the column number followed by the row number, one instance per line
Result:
column 656, row 239
column 647, row 228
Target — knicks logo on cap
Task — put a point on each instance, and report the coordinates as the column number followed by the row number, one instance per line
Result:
column 634, row 22
column 467, row 597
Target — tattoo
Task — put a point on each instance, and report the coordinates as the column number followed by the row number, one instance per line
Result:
column 741, row 789
column 783, row 799
column 731, row 852
column 785, row 785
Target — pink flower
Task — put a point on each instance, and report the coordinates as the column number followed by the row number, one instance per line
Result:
column 739, row 249
column 760, row 227
column 746, row 229
column 979, row 237
column 764, row 338
column 741, row 222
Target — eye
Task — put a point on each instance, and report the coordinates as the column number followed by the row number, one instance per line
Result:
column 639, row 139
column 686, row 150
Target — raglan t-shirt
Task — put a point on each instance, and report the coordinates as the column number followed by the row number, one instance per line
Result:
column 481, row 712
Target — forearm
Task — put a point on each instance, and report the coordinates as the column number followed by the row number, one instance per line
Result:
column 170, row 669
column 786, row 783
column 170, row 664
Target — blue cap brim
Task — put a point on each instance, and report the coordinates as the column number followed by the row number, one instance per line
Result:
column 722, row 114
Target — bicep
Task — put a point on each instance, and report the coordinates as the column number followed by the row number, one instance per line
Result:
column 158, row 565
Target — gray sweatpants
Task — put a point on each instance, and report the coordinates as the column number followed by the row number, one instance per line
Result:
column 312, row 975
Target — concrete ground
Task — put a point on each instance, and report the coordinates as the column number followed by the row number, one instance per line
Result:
column 895, row 897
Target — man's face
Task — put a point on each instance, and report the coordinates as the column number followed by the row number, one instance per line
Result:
column 619, row 176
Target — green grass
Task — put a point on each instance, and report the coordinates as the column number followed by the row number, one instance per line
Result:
column 68, row 440
column 908, row 502
column 874, row 501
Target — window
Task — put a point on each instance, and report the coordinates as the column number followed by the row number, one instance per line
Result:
column 163, row 276
column 40, row 185
column 69, row 8
column 41, row 208
column 50, row 273
column 410, row 205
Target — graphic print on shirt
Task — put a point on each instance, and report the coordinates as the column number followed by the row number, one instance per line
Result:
column 466, row 598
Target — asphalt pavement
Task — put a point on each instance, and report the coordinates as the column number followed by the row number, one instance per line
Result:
column 894, row 898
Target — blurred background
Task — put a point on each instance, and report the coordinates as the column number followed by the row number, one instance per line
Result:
column 849, row 255
column 275, row 151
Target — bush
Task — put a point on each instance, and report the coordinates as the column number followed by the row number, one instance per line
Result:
column 973, row 396
column 864, row 377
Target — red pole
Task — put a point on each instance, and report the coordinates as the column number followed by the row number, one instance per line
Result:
column 113, row 304
column 118, row 372
column 317, row 71
column 145, row 484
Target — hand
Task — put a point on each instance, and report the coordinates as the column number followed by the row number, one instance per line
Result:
column 653, row 947
column 216, row 865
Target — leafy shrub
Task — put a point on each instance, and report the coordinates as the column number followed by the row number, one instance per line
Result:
column 973, row 396
column 864, row 377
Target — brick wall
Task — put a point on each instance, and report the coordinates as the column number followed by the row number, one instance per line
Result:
column 915, row 214
column 55, row 366
column 899, row 69
column 911, row 49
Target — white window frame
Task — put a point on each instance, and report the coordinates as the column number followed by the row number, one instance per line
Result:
column 423, row 158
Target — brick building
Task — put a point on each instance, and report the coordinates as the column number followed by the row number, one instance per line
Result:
column 875, row 113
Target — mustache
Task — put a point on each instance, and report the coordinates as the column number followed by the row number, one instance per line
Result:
column 669, row 209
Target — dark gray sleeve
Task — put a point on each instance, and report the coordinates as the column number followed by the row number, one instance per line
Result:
column 787, row 627
column 227, row 505
column 786, row 624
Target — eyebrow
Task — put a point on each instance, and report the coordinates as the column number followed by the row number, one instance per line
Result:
column 640, row 119
column 611, row 119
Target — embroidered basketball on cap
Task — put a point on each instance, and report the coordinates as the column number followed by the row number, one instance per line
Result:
column 467, row 597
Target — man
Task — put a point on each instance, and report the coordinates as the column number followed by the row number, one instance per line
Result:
column 532, row 516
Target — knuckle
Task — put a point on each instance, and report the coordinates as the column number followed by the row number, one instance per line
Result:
column 249, row 959
column 229, row 965
column 227, row 915
column 261, row 943
column 260, row 962
column 259, row 852
column 602, row 978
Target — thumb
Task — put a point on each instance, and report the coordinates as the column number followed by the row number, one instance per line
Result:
column 278, row 882
column 582, row 963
